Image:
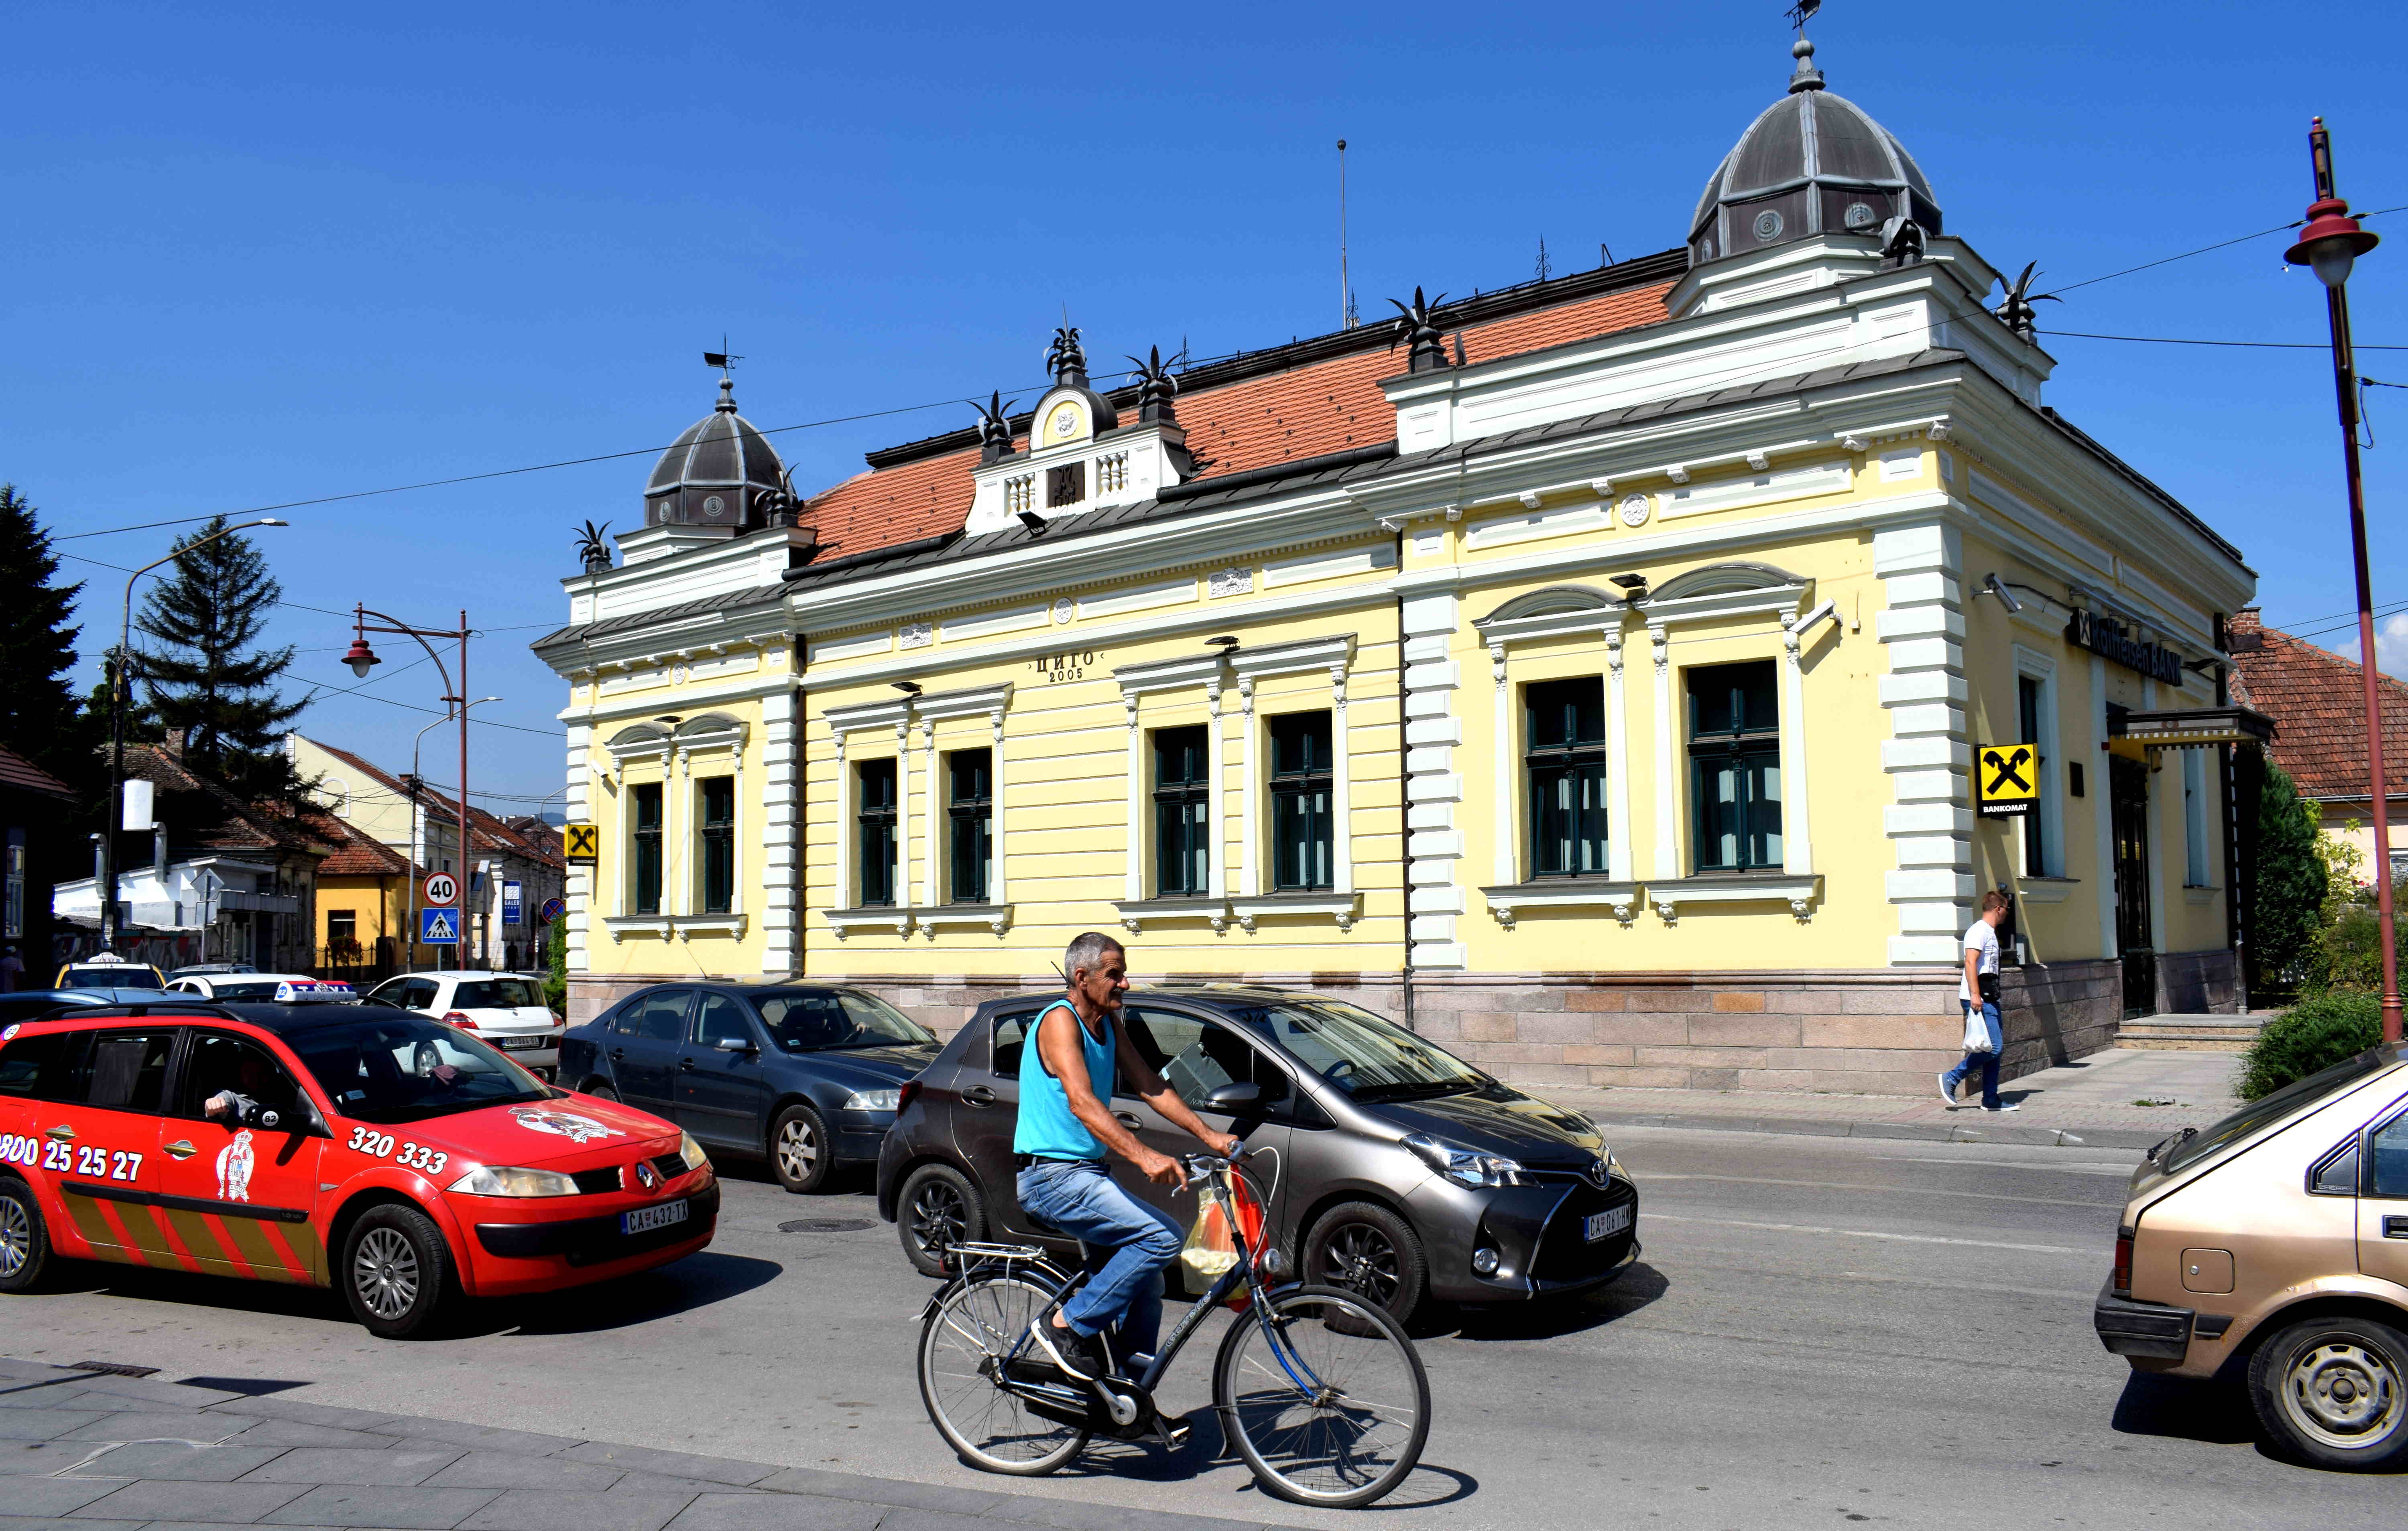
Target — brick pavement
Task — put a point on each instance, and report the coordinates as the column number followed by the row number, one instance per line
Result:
column 86, row 1451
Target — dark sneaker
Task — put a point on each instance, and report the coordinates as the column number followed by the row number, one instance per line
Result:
column 1078, row 1355
column 2003, row 1106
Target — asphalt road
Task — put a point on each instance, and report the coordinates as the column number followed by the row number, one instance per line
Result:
column 1822, row 1332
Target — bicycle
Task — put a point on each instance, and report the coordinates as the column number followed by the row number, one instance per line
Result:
column 1321, row 1391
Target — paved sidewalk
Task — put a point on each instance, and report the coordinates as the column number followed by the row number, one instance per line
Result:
column 84, row 1451
column 2090, row 1103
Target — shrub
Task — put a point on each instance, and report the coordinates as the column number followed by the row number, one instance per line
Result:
column 2312, row 1034
column 556, row 986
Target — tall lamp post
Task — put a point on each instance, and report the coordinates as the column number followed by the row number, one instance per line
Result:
column 2329, row 245
column 119, row 691
column 362, row 659
column 410, row 931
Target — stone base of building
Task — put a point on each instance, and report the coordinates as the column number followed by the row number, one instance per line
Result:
column 2199, row 984
column 1866, row 1031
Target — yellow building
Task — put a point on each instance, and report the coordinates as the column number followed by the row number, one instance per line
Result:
column 1598, row 679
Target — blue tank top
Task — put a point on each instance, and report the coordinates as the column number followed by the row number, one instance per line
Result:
column 1046, row 1129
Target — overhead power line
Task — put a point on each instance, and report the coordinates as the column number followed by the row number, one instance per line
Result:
column 2182, row 340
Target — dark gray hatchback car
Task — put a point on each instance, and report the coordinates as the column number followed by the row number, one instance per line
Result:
column 1401, row 1171
column 806, row 1076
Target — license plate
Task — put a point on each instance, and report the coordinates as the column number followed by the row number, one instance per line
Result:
column 645, row 1219
column 1606, row 1224
column 522, row 1044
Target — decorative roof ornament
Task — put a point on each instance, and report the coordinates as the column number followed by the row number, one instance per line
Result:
column 1901, row 241
column 1067, row 359
column 1155, row 388
column 2016, row 313
column 593, row 546
column 994, row 427
column 1805, row 76
column 780, row 506
column 1418, row 329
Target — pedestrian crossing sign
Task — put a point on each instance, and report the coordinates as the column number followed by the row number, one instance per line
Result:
column 2006, row 779
column 438, row 927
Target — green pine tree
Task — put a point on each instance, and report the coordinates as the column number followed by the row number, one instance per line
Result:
column 38, row 713
column 206, row 676
column 2286, row 882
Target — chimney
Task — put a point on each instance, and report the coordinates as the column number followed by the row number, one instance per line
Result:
column 174, row 748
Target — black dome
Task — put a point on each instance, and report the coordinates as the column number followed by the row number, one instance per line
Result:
column 713, row 473
column 1814, row 163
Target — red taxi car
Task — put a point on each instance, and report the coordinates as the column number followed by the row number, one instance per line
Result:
column 327, row 1143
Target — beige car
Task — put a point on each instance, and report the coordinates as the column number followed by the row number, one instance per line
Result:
column 2275, row 1244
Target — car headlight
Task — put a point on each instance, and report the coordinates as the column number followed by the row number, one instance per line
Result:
column 507, row 1180
column 1613, row 1165
column 874, row 1100
column 1465, row 1167
column 691, row 1152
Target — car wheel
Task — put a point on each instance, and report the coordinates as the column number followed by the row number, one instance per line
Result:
column 799, row 1149
column 2334, row 1392
column 601, row 1092
column 396, row 1271
column 24, row 1242
column 1371, row 1250
column 938, row 1209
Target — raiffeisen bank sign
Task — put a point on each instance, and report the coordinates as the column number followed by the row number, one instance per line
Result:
column 2106, row 638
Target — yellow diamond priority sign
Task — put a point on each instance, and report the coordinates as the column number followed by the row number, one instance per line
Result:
column 583, row 842
column 2006, row 779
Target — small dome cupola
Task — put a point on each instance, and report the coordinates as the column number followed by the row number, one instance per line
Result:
column 715, row 474
column 1812, row 163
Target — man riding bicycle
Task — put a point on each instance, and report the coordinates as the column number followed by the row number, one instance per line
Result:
column 1060, row 1145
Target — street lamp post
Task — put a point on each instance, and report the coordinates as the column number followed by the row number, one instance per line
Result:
column 2329, row 244
column 362, row 659
column 121, row 690
column 410, row 930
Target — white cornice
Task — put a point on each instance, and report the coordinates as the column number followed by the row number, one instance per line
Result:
column 653, row 699
column 862, row 716
column 1322, row 653
column 969, row 702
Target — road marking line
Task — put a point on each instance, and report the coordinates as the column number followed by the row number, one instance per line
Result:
column 2008, row 1163
column 1861, row 1233
column 1890, row 1190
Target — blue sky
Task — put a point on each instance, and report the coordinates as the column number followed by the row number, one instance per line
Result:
column 258, row 254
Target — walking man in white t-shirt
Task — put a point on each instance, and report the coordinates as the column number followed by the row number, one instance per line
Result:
column 1979, row 987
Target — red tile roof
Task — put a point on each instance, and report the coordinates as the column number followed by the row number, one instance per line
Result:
column 23, row 775
column 1303, row 411
column 360, row 856
column 2317, row 701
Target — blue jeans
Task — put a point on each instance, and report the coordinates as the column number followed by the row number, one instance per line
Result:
column 1989, row 1061
column 1129, row 1244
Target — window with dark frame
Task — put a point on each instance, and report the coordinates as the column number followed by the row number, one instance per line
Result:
column 718, row 844
column 1066, row 485
column 1181, row 856
column 342, row 929
column 644, row 864
column 874, row 820
column 971, row 790
column 1735, row 767
column 1301, row 823
column 2028, row 693
column 1562, row 729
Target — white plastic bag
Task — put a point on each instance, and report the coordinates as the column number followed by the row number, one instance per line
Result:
column 1209, row 1251
column 1977, row 1032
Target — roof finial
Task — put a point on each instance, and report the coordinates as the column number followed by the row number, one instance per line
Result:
column 727, row 365
column 1805, row 76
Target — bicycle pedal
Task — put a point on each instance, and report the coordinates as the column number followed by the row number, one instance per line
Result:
column 1174, row 1434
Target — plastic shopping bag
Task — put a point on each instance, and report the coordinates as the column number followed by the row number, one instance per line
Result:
column 1210, row 1250
column 1977, row 1031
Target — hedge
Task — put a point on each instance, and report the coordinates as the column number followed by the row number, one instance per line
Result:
column 2317, row 1033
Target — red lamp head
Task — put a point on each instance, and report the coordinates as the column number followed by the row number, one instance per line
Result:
column 2331, row 240
column 361, row 658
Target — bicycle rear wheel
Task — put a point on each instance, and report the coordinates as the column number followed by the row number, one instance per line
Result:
column 963, row 1346
column 1331, row 1411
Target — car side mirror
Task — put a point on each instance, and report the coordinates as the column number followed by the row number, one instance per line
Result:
column 1236, row 1098
column 264, row 1118
column 735, row 1044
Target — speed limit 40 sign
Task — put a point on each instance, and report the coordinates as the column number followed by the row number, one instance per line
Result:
column 442, row 889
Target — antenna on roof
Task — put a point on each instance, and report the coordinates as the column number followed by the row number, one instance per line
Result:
column 1347, row 318
column 1545, row 269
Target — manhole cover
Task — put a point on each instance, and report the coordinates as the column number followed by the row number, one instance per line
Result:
column 825, row 1224
column 112, row 1368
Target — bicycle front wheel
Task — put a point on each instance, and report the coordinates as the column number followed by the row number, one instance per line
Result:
column 963, row 1346
column 1323, row 1395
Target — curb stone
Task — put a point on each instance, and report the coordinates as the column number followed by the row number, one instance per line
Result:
column 2013, row 1134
